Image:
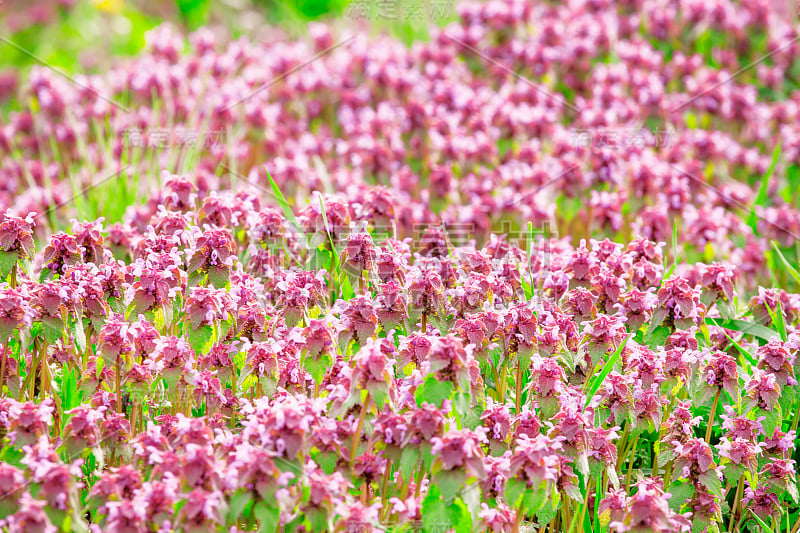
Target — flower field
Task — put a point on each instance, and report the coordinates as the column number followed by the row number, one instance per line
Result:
column 536, row 272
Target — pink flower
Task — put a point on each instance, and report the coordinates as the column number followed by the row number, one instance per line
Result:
column 16, row 235
column 461, row 449
column 762, row 390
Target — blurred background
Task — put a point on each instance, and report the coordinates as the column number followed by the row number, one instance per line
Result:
column 84, row 36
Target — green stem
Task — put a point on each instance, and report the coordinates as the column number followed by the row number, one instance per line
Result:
column 4, row 347
column 623, row 441
column 598, row 486
column 795, row 420
column 579, row 522
column 796, row 526
column 518, row 398
column 736, row 500
column 118, row 383
column 667, row 473
column 357, row 433
column 711, row 415
column 631, row 461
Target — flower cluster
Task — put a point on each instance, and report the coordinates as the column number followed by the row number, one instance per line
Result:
column 399, row 293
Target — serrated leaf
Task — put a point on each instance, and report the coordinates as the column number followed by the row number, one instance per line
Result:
column 318, row 366
column 202, row 339
column 433, row 391
column 7, row 262
column 656, row 337
column 219, row 277
column 791, row 488
column 546, row 513
column 680, row 492
column 52, row 328
column 772, row 419
column 710, row 480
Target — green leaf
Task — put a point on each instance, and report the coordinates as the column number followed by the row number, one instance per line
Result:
column 514, row 490
column 408, row 461
column 7, row 262
column 202, row 339
column 450, row 482
column 594, row 386
column 776, row 315
column 748, row 328
column 761, row 523
column 433, row 391
column 52, row 327
column 318, row 366
column 80, row 335
column 459, row 517
column 772, row 419
column 219, row 277
column 238, row 501
column 268, row 515
column 533, row 500
column 435, row 517
column 710, row 480
column 656, row 337
column 327, row 461
column 546, row 513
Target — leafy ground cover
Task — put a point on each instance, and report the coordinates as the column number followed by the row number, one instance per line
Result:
column 538, row 272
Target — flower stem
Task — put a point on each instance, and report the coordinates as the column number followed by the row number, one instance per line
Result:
column 795, row 420
column 357, row 433
column 735, row 505
column 577, row 526
column 622, row 441
column 117, row 383
column 518, row 398
column 632, row 452
column 711, row 415
column 4, row 347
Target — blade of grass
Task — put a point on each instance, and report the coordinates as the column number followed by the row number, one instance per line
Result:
column 789, row 268
column 748, row 328
column 741, row 350
column 607, row 367
column 287, row 209
column 761, row 523
column 777, row 319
